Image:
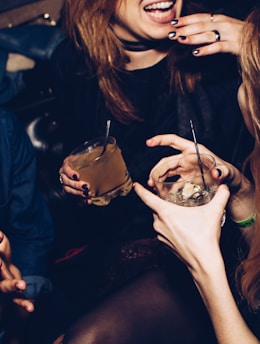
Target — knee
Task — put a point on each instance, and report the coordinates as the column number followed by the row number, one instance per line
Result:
column 85, row 333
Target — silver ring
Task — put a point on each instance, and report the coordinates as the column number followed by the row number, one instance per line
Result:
column 217, row 35
column 61, row 180
column 212, row 17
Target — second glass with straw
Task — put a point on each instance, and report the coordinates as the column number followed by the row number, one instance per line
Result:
column 186, row 181
column 100, row 163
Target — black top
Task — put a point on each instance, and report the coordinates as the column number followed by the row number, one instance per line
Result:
column 212, row 106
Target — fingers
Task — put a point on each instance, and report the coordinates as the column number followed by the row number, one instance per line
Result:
column 202, row 18
column 5, row 248
column 171, row 140
column 12, row 286
column 24, row 303
column 221, row 198
column 199, row 30
column 71, row 182
column 59, row 339
column 224, row 172
column 176, row 142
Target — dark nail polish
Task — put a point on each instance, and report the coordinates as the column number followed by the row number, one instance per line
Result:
column 85, row 187
column 172, row 34
column 183, row 38
column 195, row 52
column 85, row 193
column 174, row 21
column 219, row 172
column 75, row 177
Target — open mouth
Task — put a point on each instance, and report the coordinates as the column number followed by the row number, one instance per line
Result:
column 160, row 9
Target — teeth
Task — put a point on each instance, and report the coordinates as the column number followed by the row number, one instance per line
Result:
column 159, row 6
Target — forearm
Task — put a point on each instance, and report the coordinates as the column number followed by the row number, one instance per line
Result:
column 229, row 325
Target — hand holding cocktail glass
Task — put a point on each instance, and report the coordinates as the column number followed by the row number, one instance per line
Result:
column 187, row 181
column 98, row 162
column 104, row 170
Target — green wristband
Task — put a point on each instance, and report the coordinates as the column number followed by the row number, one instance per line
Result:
column 247, row 222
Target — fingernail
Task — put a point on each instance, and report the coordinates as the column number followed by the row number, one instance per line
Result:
column 183, row 38
column 172, row 34
column 174, row 21
column 85, row 187
column 195, row 52
column 219, row 172
column 75, row 177
column 85, row 193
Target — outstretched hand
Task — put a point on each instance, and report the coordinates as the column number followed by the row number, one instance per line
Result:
column 191, row 232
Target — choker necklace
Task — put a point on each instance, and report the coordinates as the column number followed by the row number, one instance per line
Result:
column 139, row 46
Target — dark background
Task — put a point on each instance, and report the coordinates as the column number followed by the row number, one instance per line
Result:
column 246, row 4
column 9, row 4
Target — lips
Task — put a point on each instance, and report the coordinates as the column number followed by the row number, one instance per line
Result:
column 161, row 10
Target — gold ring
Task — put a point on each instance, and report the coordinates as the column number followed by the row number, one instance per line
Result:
column 217, row 35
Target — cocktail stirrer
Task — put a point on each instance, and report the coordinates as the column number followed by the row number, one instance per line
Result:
column 198, row 154
column 105, row 141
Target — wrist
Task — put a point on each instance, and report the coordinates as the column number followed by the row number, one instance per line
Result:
column 247, row 222
column 207, row 265
column 241, row 205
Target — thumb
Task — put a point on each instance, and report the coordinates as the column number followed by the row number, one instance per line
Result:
column 221, row 197
column 150, row 199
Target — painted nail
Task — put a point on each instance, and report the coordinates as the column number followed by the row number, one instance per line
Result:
column 85, row 187
column 85, row 193
column 195, row 52
column 75, row 177
column 172, row 34
column 219, row 172
column 174, row 21
column 183, row 38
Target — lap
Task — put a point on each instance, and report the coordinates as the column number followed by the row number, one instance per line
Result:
column 159, row 306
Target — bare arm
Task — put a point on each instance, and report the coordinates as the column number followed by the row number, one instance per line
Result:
column 193, row 235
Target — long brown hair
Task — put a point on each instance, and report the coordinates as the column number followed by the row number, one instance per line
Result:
column 88, row 23
column 249, row 270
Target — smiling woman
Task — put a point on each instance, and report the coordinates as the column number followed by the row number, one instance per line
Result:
column 161, row 10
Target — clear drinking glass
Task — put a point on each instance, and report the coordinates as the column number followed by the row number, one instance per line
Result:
column 186, row 181
column 106, row 173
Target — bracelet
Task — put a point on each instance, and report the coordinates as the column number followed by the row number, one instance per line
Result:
column 247, row 222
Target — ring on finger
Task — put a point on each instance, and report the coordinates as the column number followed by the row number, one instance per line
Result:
column 217, row 35
column 61, row 180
